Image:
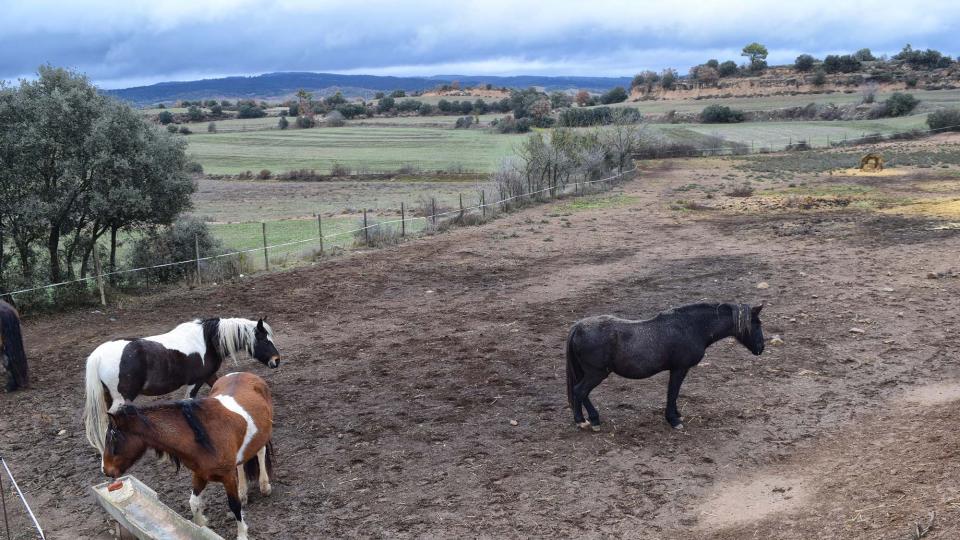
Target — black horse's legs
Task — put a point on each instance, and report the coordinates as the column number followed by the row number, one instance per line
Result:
column 581, row 400
column 673, row 390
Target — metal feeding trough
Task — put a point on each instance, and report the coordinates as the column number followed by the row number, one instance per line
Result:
column 137, row 508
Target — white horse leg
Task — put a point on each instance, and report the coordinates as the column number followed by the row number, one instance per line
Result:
column 242, row 530
column 265, row 487
column 242, row 484
column 196, row 506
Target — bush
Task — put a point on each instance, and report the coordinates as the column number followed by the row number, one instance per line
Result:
column 305, row 122
column 509, row 124
column 376, row 234
column 720, row 114
column 864, row 55
column 194, row 113
column 339, row 169
column 283, row 123
column 212, row 127
column 668, row 79
column 614, row 95
column 385, row 105
column 334, row 119
column 249, row 109
column 944, row 120
column 172, row 128
column 728, row 68
column 819, row 78
column 900, row 104
column 841, row 64
column 193, row 167
column 911, row 81
column 264, row 174
column 165, row 117
column 184, row 130
column 464, row 122
column 804, row 63
column 174, row 243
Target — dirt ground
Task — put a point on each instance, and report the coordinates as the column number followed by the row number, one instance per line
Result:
column 404, row 368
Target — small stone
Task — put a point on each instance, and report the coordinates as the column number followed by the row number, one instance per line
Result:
column 763, row 285
column 814, row 296
column 429, row 292
column 61, row 433
column 793, row 319
column 776, row 341
column 856, row 330
column 514, row 423
column 887, row 289
column 932, row 275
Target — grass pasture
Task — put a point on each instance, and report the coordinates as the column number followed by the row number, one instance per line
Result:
column 363, row 149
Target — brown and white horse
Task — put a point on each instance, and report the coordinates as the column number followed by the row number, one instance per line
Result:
column 189, row 355
column 221, row 438
column 13, row 358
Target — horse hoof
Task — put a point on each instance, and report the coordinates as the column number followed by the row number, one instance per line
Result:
column 594, row 428
column 583, row 425
column 266, row 489
column 678, row 426
column 200, row 521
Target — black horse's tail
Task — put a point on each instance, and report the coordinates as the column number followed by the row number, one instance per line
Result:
column 13, row 349
column 574, row 370
column 252, row 467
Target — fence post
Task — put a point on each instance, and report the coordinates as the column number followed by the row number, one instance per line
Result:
column 266, row 258
column 433, row 210
column 366, row 231
column 461, row 206
column 196, row 252
column 403, row 220
column 320, row 231
column 483, row 202
column 96, row 268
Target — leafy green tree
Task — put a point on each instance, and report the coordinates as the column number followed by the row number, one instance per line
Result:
column 165, row 117
column 385, row 105
column 757, row 54
column 668, row 79
column 900, row 104
column 804, row 63
column 728, row 68
column 714, row 63
column 864, row 55
column 614, row 95
column 283, row 123
column 194, row 113
column 249, row 109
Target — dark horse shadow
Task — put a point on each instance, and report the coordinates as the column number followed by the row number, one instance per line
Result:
column 673, row 341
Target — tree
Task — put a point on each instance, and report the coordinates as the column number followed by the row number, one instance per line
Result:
column 559, row 100
column 718, row 114
column 614, row 95
column 583, row 98
column 212, row 127
column 804, row 63
column 728, row 68
column 864, row 55
column 398, row 94
column 705, row 75
column 249, row 109
column 840, row 64
column 283, row 123
column 385, row 105
column 900, row 104
column 216, row 110
column 194, row 113
column 102, row 168
column 713, row 63
column 819, row 78
column 757, row 54
column 668, row 79
column 165, row 117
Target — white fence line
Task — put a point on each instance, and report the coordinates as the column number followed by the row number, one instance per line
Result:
column 312, row 239
column 22, row 499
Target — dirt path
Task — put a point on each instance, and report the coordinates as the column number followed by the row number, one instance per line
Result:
column 405, row 366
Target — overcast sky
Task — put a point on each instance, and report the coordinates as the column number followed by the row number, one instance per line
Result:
column 131, row 42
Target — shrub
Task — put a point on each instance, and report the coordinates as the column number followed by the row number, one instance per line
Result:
column 165, row 117
column 804, row 63
column 385, row 104
column 193, row 167
column 172, row 128
column 944, row 120
column 334, row 119
column 264, row 174
column 184, row 130
column 864, row 55
column 212, row 127
column 743, row 190
column 900, row 104
column 376, row 234
column 216, row 110
column 174, row 243
column 509, row 124
column 249, row 109
column 283, row 123
column 194, row 113
column 463, row 122
column 911, row 81
column 339, row 169
column 819, row 78
column 305, row 122
column 668, row 79
column 720, row 114
column 614, row 95
column 841, row 64
column 728, row 68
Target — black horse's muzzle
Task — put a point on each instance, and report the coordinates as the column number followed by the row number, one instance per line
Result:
column 274, row 362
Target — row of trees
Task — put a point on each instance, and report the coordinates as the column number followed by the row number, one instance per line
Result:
column 75, row 166
column 850, row 63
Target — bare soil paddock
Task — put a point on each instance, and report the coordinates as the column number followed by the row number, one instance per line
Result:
column 404, row 368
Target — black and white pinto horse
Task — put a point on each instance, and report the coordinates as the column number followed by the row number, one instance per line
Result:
column 673, row 341
column 13, row 357
column 189, row 355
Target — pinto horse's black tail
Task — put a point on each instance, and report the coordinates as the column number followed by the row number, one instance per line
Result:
column 12, row 347
column 574, row 370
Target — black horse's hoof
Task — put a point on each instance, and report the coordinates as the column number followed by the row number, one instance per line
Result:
column 586, row 425
column 678, row 426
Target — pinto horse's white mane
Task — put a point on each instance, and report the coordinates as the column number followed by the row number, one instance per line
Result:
column 238, row 335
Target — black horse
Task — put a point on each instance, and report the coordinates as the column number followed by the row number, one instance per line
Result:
column 674, row 341
column 13, row 358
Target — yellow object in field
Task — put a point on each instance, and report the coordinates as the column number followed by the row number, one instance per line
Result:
column 871, row 163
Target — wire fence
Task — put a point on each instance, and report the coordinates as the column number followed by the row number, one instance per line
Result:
column 323, row 240
column 7, row 512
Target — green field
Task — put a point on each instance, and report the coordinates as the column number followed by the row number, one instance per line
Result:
column 362, row 149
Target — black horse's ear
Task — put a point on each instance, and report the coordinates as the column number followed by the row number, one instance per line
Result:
column 756, row 310
column 260, row 326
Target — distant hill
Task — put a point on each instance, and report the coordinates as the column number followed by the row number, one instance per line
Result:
column 272, row 86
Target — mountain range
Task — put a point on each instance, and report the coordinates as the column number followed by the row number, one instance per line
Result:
column 275, row 86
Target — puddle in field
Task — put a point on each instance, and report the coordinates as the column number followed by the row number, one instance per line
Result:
column 933, row 394
column 741, row 502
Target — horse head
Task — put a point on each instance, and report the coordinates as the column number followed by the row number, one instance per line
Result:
column 750, row 330
column 121, row 447
column 264, row 349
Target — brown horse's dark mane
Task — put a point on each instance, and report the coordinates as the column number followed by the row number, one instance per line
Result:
column 187, row 410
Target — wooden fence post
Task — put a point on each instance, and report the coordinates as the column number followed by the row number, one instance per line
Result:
column 266, row 258
column 433, row 210
column 366, row 231
column 196, row 252
column 320, row 231
column 403, row 220
column 483, row 202
column 461, row 206
column 96, row 268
